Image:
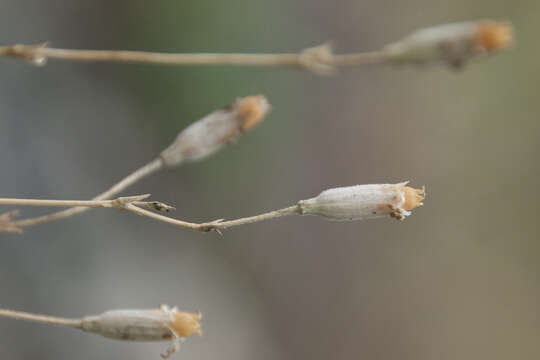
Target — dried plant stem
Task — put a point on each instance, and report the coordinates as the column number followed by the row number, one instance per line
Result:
column 118, row 203
column 144, row 171
column 51, row 320
column 70, row 203
column 216, row 225
column 313, row 59
column 291, row 210
column 137, row 175
column 134, row 204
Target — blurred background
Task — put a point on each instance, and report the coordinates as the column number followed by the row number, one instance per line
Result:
column 457, row 280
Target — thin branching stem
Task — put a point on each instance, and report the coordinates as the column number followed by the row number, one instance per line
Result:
column 216, row 225
column 70, row 203
column 137, row 175
column 135, row 205
column 118, row 203
column 291, row 210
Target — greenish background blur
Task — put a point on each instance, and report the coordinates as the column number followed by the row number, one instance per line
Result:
column 457, row 280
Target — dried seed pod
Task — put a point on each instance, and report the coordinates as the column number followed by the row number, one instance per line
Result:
column 454, row 44
column 211, row 133
column 364, row 202
column 145, row 325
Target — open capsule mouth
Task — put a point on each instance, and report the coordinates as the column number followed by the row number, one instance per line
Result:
column 185, row 324
column 413, row 197
column 493, row 36
column 251, row 110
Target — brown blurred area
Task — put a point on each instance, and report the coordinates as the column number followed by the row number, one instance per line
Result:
column 457, row 280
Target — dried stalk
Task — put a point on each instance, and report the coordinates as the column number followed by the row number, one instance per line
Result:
column 135, row 205
column 118, row 203
column 50, row 320
column 137, row 175
column 216, row 225
column 318, row 59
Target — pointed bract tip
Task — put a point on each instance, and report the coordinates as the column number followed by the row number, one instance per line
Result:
column 413, row 197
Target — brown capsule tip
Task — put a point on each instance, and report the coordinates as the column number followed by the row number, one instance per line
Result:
column 186, row 324
column 493, row 36
column 251, row 110
column 413, row 197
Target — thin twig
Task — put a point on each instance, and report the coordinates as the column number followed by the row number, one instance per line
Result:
column 137, row 175
column 70, row 203
column 52, row 320
column 216, row 225
column 221, row 225
column 319, row 59
column 118, row 203
column 134, row 204
column 121, row 203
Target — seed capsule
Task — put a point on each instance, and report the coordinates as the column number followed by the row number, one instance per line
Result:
column 454, row 44
column 214, row 131
column 145, row 325
column 364, row 202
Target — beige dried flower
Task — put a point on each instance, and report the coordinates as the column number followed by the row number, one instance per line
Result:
column 211, row 133
column 364, row 202
column 145, row 325
column 454, row 44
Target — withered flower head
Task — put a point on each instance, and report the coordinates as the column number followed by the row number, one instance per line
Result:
column 250, row 111
column 454, row 44
column 145, row 325
column 413, row 197
column 214, row 131
column 185, row 324
column 492, row 36
column 364, row 201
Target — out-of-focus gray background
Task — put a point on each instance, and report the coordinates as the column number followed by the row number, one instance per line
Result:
column 457, row 280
